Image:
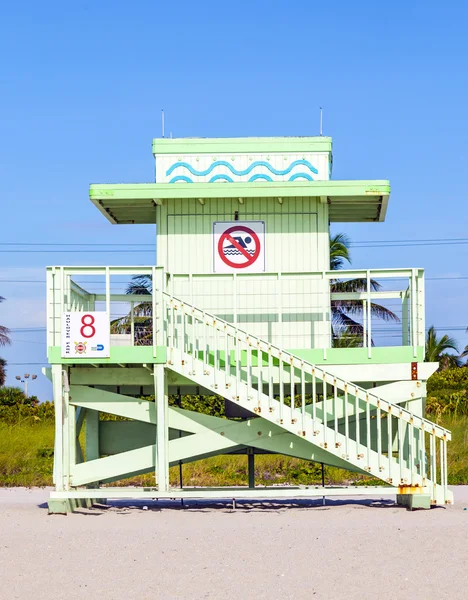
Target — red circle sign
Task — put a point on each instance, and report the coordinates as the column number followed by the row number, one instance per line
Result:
column 250, row 257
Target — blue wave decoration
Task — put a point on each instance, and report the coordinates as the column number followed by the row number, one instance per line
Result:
column 181, row 178
column 234, row 171
column 302, row 176
column 222, row 178
column 260, row 176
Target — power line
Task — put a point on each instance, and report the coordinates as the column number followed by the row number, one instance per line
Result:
column 10, row 364
column 360, row 243
column 43, row 281
column 72, row 244
column 71, row 251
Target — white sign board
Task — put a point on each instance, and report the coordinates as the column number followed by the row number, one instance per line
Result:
column 239, row 246
column 85, row 335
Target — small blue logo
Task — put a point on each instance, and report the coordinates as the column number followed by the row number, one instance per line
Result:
column 99, row 347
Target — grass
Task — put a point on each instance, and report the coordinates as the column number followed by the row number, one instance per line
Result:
column 26, row 458
column 26, row 454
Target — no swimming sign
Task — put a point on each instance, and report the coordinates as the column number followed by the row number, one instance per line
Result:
column 239, row 246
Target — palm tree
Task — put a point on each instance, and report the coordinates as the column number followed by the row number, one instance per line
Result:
column 4, row 331
column 436, row 350
column 141, row 285
column 345, row 312
column 2, row 371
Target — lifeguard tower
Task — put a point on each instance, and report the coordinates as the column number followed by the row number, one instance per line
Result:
column 241, row 304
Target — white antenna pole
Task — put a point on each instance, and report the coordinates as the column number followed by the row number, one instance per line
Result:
column 162, row 121
column 321, row 120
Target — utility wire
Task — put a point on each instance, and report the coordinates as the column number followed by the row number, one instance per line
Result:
column 356, row 244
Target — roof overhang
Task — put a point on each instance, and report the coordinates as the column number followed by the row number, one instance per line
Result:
column 349, row 201
column 246, row 144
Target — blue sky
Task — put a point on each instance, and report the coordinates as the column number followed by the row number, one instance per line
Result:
column 82, row 86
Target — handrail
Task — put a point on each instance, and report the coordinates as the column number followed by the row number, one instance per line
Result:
column 298, row 363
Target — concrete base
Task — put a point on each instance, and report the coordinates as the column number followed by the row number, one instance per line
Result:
column 63, row 506
column 414, row 501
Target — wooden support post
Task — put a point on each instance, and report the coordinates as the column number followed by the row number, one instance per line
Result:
column 92, row 435
column 251, row 467
column 181, row 471
column 58, row 445
column 162, row 437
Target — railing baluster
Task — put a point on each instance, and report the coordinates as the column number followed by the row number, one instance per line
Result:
column 400, row 447
column 411, row 451
column 303, row 399
column 249, row 368
column 368, row 431
column 172, row 346
column 260, row 375
column 325, row 409
column 204, row 326
column 293, row 390
column 270, row 380
column 226, row 358
column 445, row 481
column 193, row 340
column 442, row 464
column 314, row 401
column 357, row 419
column 281, row 388
column 422, row 443
column 216, row 365
column 237, row 357
column 379, row 436
column 335, row 409
column 390, row 444
column 346, row 416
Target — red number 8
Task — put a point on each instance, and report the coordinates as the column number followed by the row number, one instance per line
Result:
column 89, row 325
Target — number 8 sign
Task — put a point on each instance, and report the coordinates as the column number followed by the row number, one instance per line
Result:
column 85, row 335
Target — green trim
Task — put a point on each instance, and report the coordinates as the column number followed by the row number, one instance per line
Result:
column 359, row 356
column 353, row 201
column 118, row 354
column 112, row 193
column 335, row 356
column 242, row 145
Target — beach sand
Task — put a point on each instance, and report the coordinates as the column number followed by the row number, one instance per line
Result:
column 346, row 549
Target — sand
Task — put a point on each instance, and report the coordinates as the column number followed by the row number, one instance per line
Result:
column 348, row 549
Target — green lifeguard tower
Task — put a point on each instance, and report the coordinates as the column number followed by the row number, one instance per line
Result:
column 242, row 304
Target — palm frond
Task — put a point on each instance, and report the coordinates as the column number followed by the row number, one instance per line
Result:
column 3, row 364
column 4, row 331
column 341, row 322
column 339, row 251
column 353, row 285
column 354, row 307
column 4, row 339
column 140, row 285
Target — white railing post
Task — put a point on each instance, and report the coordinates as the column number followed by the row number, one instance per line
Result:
column 421, row 311
column 404, row 317
column 234, row 283
column 414, row 312
column 280, row 307
column 157, row 308
column 326, row 294
column 364, row 323
column 369, row 316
